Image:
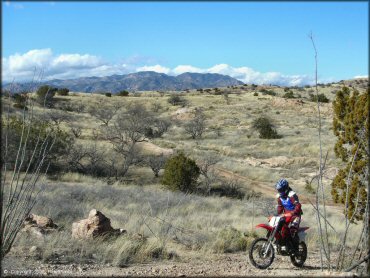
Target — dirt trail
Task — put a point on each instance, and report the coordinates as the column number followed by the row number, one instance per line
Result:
column 236, row 264
column 267, row 189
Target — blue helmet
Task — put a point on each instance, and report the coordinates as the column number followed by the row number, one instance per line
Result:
column 282, row 186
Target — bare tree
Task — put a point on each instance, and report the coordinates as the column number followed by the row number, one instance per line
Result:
column 207, row 171
column 56, row 116
column 103, row 112
column 156, row 163
column 128, row 129
column 320, row 207
column 157, row 128
column 324, row 246
column 197, row 125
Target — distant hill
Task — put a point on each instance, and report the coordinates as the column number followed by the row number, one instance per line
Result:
column 140, row 81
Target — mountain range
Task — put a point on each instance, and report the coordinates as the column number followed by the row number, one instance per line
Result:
column 139, row 81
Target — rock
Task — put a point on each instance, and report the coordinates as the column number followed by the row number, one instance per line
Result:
column 40, row 221
column 38, row 226
column 97, row 224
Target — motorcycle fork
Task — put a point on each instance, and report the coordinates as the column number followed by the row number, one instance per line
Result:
column 270, row 240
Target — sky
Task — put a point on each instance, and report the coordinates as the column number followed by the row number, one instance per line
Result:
column 255, row 42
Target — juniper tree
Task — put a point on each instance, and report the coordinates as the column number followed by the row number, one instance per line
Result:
column 351, row 127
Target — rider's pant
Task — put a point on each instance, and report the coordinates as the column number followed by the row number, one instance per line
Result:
column 294, row 225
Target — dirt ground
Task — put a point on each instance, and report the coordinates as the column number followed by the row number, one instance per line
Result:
column 236, row 264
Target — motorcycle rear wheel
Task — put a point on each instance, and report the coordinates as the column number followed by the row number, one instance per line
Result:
column 256, row 250
column 299, row 258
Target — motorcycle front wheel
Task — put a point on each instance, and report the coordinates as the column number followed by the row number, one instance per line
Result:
column 299, row 257
column 259, row 256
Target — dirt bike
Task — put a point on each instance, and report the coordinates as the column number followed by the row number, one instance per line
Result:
column 262, row 250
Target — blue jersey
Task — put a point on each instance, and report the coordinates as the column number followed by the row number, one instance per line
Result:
column 289, row 203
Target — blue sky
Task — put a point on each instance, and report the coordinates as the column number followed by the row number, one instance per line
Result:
column 254, row 42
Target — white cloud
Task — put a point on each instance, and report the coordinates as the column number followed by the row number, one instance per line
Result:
column 156, row 68
column 361, row 76
column 21, row 67
column 186, row 68
column 248, row 75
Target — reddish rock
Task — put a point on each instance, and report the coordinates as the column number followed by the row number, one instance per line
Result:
column 97, row 224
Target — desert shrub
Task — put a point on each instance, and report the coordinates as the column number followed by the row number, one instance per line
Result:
column 308, row 187
column 45, row 95
column 77, row 107
column 63, row 92
column 228, row 188
column 177, row 100
column 255, row 94
column 38, row 132
column 265, row 128
column 320, row 98
column 288, row 94
column 156, row 106
column 229, row 240
column 268, row 92
column 123, row 93
column 181, row 173
column 20, row 101
column 157, row 128
column 108, row 94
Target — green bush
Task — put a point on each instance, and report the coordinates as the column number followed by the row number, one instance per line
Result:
column 320, row 98
column 63, row 92
column 255, row 94
column 265, row 128
column 108, row 94
column 268, row 92
column 180, row 173
column 123, row 93
column 45, row 95
column 289, row 94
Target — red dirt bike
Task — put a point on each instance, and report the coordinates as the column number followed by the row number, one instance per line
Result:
column 262, row 250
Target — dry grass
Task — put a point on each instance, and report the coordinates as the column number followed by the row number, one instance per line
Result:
column 176, row 223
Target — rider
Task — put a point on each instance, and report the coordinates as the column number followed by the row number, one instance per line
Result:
column 288, row 202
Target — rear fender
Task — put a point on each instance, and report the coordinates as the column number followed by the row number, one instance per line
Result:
column 265, row 226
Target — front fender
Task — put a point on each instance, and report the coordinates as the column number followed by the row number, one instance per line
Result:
column 265, row 226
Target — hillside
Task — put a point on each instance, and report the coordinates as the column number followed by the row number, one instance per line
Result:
column 173, row 233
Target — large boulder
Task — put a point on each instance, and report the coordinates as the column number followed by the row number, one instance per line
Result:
column 97, row 224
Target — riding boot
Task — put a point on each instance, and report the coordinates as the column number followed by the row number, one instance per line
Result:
column 295, row 239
